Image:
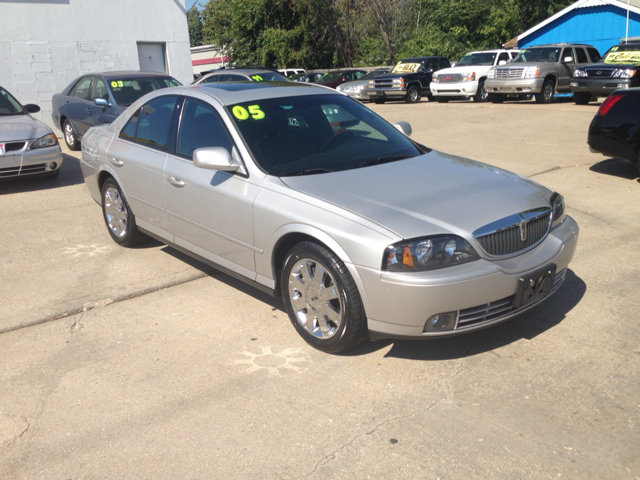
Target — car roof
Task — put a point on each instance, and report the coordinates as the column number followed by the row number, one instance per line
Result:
column 129, row 73
column 560, row 45
column 239, row 92
column 245, row 71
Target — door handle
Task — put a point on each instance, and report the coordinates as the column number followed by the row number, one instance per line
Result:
column 88, row 110
column 116, row 162
column 176, row 182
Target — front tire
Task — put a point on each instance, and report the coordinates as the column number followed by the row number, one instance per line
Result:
column 322, row 299
column 378, row 101
column 70, row 137
column 481, row 95
column 413, row 95
column 496, row 98
column 547, row 92
column 442, row 100
column 120, row 220
column 582, row 98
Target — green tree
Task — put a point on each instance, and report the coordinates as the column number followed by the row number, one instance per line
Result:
column 194, row 22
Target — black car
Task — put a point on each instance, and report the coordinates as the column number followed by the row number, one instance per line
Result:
column 615, row 130
column 409, row 80
column 99, row 98
column 618, row 68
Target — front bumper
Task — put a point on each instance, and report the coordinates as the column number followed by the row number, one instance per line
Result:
column 359, row 95
column 381, row 93
column 601, row 87
column 481, row 292
column 30, row 162
column 461, row 89
column 514, row 86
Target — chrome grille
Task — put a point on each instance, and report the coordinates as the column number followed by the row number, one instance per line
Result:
column 24, row 170
column 495, row 311
column 451, row 78
column 508, row 240
column 600, row 72
column 509, row 72
column 382, row 83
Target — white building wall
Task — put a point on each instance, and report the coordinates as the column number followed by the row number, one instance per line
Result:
column 45, row 45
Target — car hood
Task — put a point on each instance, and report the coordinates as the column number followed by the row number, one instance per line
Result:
column 463, row 69
column 21, row 127
column 430, row 194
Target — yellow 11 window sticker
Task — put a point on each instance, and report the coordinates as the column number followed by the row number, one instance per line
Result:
column 257, row 78
column 254, row 110
column 118, row 83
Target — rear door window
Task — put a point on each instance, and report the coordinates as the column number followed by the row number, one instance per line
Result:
column 99, row 89
column 155, row 121
column 582, row 56
column 82, row 89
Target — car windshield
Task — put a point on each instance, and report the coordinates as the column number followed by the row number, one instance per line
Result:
column 330, row 77
column 9, row 105
column 317, row 134
column 623, row 54
column 537, row 55
column 127, row 90
column 477, row 59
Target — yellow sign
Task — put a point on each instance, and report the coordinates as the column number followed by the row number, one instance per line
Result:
column 623, row 57
column 116, row 84
column 241, row 113
column 257, row 78
column 406, row 68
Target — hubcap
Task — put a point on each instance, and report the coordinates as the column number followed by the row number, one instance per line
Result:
column 115, row 212
column 548, row 92
column 413, row 95
column 483, row 92
column 68, row 134
column 315, row 298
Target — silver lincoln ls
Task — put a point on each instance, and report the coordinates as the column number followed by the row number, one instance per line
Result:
column 305, row 193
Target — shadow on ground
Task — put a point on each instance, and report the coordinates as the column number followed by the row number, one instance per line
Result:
column 70, row 174
column 617, row 167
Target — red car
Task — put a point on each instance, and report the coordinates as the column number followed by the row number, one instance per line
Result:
column 333, row 79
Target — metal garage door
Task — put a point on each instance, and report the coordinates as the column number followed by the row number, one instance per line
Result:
column 151, row 57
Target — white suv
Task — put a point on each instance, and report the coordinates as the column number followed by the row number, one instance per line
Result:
column 466, row 79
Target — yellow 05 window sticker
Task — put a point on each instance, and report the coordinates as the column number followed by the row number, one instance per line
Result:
column 241, row 113
column 117, row 83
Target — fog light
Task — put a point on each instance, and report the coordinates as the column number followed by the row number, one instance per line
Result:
column 623, row 85
column 53, row 165
column 441, row 322
column 574, row 84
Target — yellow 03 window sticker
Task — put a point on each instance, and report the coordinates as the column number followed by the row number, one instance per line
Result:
column 241, row 113
column 118, row 83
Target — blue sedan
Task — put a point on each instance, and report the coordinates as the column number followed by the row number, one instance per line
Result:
column 99, row 98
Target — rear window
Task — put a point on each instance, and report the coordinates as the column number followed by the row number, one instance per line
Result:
column 127, row 90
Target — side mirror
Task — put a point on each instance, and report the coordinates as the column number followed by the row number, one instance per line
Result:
column 502, row 62
column 31, row 108
column 214, row 158
column 568, row 60
column 101, row 102
column 404, row 127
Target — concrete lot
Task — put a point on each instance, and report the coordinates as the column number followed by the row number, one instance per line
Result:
column 140, row 363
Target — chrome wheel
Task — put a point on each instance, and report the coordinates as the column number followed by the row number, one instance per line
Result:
column 115, row 212
column 69, row 135
column 548, row 91
column 315, row 298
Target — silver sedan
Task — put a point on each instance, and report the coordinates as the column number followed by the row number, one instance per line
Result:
column 305, row 193
column 27, row 145
column 357, row 88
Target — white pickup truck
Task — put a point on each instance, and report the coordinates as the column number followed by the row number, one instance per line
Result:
column 466, row 79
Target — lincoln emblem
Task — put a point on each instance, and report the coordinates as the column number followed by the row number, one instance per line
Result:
column 523, row 230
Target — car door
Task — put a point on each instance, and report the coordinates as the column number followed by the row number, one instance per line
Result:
column 138, row 157
column 78, row 106
column 101, row 114
column 566, row 68
column 211, row 211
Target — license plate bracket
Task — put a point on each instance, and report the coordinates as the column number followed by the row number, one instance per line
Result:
column 534, row 286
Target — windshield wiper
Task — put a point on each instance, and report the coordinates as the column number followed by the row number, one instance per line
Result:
column 309, row 171
column 386, row 159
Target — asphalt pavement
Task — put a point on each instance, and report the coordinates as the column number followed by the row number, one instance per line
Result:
column 142, row 363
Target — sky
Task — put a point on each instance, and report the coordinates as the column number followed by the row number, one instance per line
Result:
column 190, row 3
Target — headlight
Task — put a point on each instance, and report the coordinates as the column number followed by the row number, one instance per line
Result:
column 48, row 140
column 434, row 78
column 626, row 73
column 579, row 73
column 469, row 76
column 492, row 73
column 531, row 72
column 558, row 213
column 428, row 253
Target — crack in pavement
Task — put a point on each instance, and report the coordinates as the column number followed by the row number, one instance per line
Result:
column 326, row 458
column 557, row 167
column 103, row 303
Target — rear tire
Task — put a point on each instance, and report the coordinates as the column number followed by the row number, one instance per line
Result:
column 546, row 94
column 322, row 299
column 582, row 98
column 118, row 217
column 496, row 98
